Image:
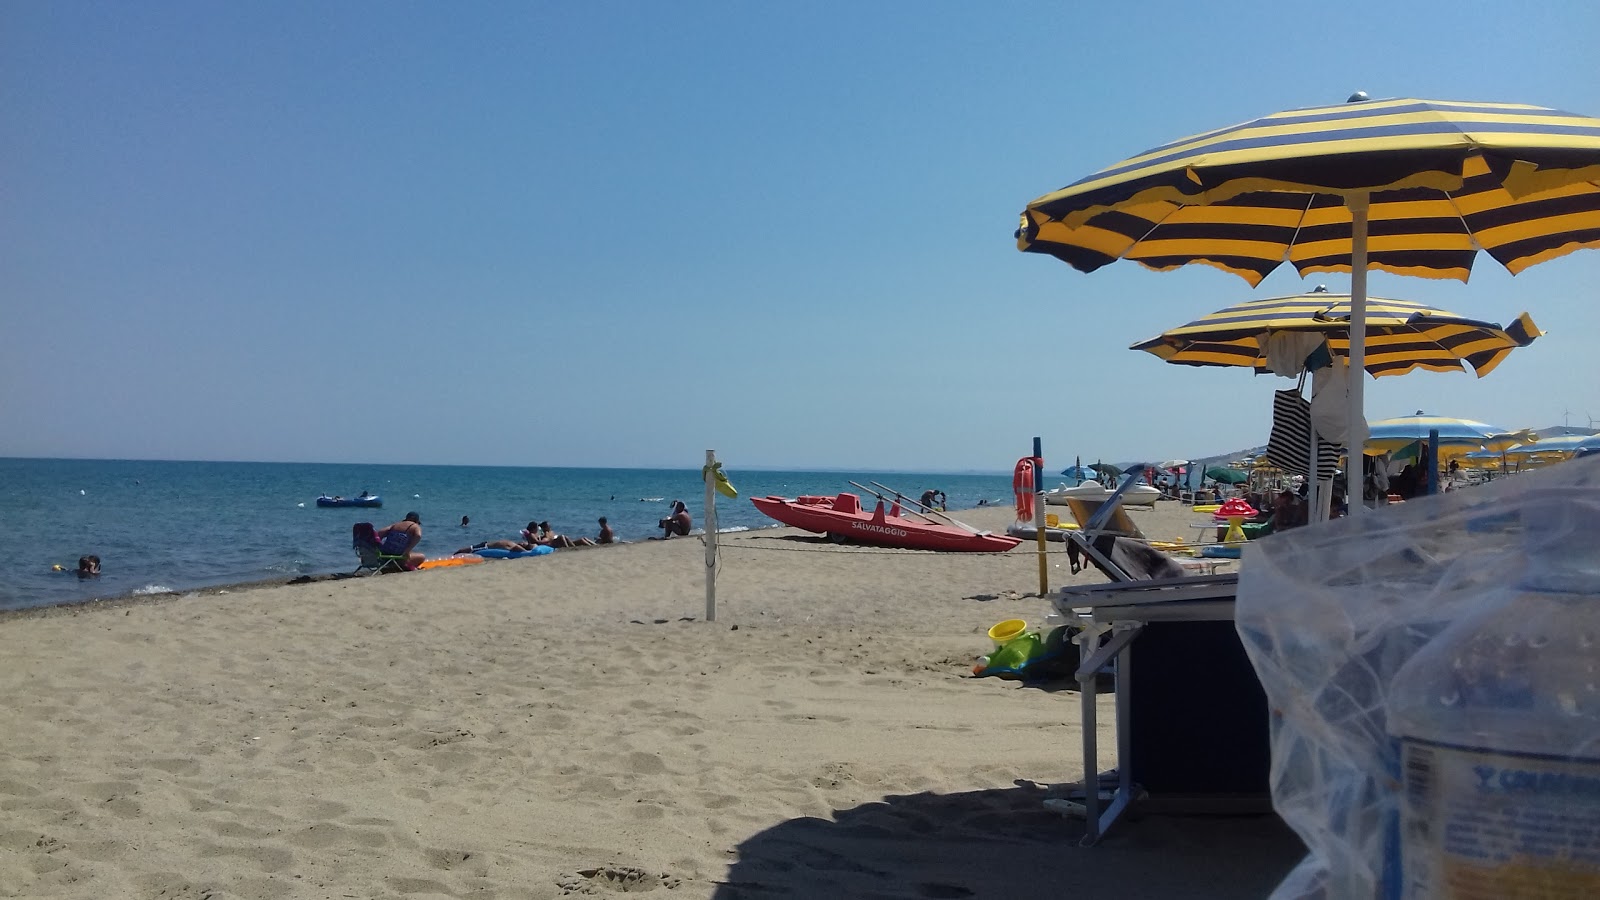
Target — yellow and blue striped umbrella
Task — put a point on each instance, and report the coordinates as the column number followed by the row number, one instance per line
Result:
column 1440, row 180
column 1456, row 436
column 1401, row 335
column 1561, row 443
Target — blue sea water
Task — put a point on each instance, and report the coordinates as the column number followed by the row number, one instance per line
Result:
column 174, row 526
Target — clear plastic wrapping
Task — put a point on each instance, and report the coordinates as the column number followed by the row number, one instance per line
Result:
column 1433, row 672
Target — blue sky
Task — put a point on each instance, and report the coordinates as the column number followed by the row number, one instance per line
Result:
column 617, row 234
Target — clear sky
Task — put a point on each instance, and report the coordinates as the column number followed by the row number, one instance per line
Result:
column 617, row 234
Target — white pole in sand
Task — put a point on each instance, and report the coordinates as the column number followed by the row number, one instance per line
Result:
column 711, row 535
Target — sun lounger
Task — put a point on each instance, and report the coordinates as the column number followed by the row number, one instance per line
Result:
column 1172, row 741
column 1108, row 539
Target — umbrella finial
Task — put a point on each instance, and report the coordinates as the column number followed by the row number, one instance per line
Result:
column 1358, row 97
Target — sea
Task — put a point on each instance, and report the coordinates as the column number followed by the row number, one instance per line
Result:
column 169, row 527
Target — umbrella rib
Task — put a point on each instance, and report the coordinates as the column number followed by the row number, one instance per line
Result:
column 1176, row 208
column 1288, row 249
column 1471, row 235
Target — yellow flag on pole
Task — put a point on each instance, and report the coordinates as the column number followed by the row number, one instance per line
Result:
column 723, row 485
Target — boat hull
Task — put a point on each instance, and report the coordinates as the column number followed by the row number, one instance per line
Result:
column 341, row 502
column 844, row 518
column 1137, row 495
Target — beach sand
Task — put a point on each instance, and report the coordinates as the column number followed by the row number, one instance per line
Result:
column 569, row 725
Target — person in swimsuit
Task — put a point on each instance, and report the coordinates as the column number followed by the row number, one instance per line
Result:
column 607, row 536
column 678, row 523
column 89, row 567
column 549, row 538
column 402, row 538
column 513, row 546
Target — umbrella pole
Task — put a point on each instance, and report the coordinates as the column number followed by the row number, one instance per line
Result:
column 1311, row 465
column 1356, row 427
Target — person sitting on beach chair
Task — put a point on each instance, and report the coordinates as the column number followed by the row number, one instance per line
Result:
column 402, row 538
column 369, row 548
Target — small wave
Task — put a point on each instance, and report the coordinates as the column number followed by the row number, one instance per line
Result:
column 651, row 499
column 152, row 589
column 733, row 528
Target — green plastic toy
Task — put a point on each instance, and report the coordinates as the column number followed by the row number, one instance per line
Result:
column 1025, row 655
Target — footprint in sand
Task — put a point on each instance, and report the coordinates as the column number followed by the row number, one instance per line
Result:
column 624, row 879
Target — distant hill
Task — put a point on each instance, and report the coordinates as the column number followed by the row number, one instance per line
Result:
column 1218, row 460
column 1562, row 430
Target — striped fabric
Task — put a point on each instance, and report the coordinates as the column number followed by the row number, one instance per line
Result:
column 1562, row 443
column 1456, row 436
column 1401, row 336
column 1445, row 180
column 1289, row 444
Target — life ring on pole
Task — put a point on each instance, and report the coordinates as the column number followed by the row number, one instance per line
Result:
column 1022, row 487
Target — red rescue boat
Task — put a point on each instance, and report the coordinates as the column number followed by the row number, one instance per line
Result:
column 843, row 517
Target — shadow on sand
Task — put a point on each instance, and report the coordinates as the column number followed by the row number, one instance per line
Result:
column 1003, row 843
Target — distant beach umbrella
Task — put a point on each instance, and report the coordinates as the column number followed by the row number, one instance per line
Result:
column 1227, row 475
column 1107, row 470
column 1456, row 436
column 1079, row 473
column 1565, row 443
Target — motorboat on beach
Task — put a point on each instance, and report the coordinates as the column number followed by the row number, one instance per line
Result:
column 1133, row 495
column 372, row 500
column 842, row 517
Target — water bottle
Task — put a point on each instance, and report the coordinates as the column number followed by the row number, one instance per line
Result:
column 1497, row 721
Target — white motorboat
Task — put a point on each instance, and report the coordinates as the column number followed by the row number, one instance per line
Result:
column 1135, row 495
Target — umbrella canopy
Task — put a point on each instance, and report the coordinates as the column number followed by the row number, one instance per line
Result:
column 1227, row 475
column 1171, row 464
column 1435, row 181
column 1565, row 443
column 1441, row 179
column 1079, row 473
column 1106, row 469
column 1456, row 436
column 1401, row 335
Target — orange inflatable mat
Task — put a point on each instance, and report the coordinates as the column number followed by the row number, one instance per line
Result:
column 451, row 561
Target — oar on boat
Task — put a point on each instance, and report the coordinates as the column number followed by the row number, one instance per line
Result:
column 927, row 512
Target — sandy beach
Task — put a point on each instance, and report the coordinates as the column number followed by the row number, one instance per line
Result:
column 571, row 726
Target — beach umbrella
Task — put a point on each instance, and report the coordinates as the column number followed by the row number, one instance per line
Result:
column 1079, row 473
column 1106, row 469
column 1173, row 464
column 1456, row 436
column 1436, row 180
column 1565, row 443
column 1227, row 475
column 1401, row 335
